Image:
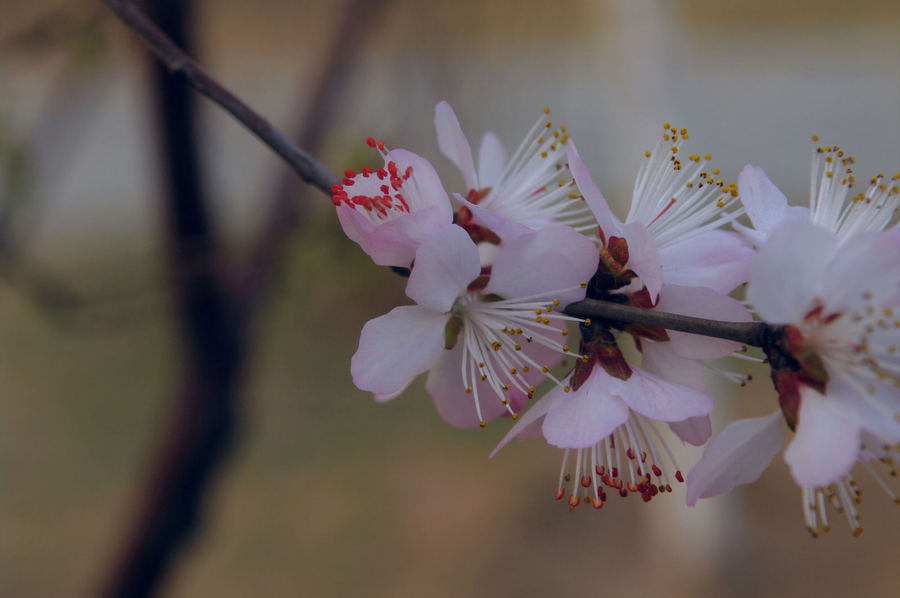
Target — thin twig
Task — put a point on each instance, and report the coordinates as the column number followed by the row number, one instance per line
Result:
column 179, row 63
column 749, row 333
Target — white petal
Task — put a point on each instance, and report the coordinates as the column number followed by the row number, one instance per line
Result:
column 502, row 226
column 491, row 160
column 445, row 385
column 394, row 243
column 827, row 441
column 789, row 272
column 550, row 259
column 763, row 201
column 702, row 303
column 662, row 360
column 643, row 257
column 694, row 430
column 867, row 264
column 582, row 418
column 607, row 221
column 445, row 265
column 877, row 412
column 716, row 259
column 397, row 347
column 533, row 415
column 453, row 143
column 660, row 399
column 736, row 455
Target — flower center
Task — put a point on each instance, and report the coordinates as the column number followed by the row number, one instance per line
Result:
column 508, row 346
column 379, row 194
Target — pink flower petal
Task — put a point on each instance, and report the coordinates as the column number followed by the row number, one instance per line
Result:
column 608, row 222
column 502, row 226
column 397, row 347
column 457, row 408
column 716, row 259
column 552, row 259
column 643, row 257
column 694, row 430
column 526, row 423
column 445, row 265
column 453, row 143
column 702, row 303
column 827, row 441
column 662, row 360
column 583, row 418
column 764, row 203
column 491, row 160
column 789, row 272
column 660, row 399
column 736, row 455
column 394, row 240
column 868, row 263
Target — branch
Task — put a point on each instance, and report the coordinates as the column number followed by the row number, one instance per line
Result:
column 179, row 63
column 756, row 334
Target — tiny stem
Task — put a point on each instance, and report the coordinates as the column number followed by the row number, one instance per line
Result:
column 755, row 334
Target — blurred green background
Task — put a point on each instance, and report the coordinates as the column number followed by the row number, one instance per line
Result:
column 329, row 494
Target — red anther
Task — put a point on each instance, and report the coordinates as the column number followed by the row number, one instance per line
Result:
column 678, row 476
column 668, row 487
column 600, row 469
column 630, row 453
column 632, row 487
column 832, row 318
column 814, row 312
column 574, row 500
column 612, row 441
column 347, row 181
column 336, row 200
column 585, row 481
column 385, row 189
column 597, row 503
column 615, row 472
column 402, row 201
column 646, row 497
column 560, row 493
column 392, row 168
column 623, row 493
column 350, row 173
column 366, row 171
column 370, row 141
column 382, row 173
column 602, row 494
column 656, row 470
column 408, row 173
column 337, row 188
column 639, row 471
column 381, row 145
column 605, row 479
column 643, row 456
column 653, row 490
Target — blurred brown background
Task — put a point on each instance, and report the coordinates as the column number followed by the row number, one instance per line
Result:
column 329, row 494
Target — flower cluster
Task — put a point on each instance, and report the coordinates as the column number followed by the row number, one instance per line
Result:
column 491, row 276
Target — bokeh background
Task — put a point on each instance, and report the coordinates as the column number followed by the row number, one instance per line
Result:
column 327, row 493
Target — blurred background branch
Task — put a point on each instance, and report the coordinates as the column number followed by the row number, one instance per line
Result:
column 216, row 312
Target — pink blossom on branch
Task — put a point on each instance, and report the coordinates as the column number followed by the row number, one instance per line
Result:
column 837, row 369
column 391, row 210
column 530, row 190
column 487, row 335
